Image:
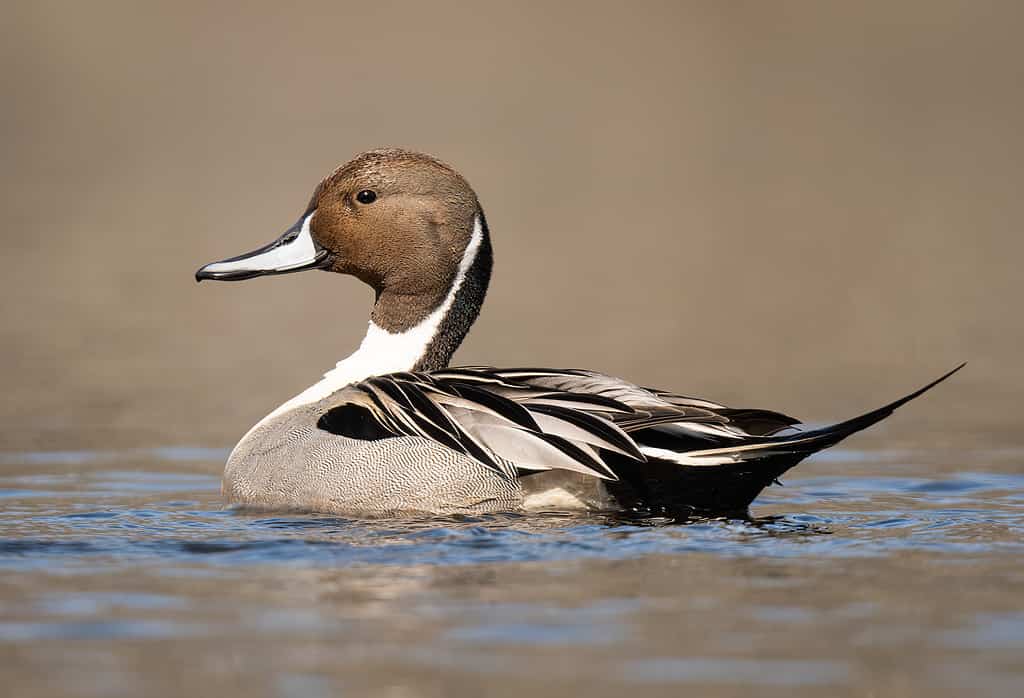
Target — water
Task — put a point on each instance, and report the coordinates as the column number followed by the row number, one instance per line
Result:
column 871, row 572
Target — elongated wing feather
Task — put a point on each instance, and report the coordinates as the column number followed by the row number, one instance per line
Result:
column 568, row 419
column 492, row 420
column 533, row 418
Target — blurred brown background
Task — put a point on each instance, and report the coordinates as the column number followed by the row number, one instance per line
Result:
column 800, row 205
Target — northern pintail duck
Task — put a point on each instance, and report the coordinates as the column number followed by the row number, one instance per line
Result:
column 393, row 429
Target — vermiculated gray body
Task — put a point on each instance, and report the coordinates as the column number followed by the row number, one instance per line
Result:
column 288, row 463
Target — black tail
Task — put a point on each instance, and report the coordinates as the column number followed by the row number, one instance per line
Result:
column 808, row 442
column 667, row 487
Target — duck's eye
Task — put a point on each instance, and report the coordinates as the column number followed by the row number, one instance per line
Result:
column 366, row 196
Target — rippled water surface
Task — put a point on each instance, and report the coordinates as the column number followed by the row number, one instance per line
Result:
column 869, row 573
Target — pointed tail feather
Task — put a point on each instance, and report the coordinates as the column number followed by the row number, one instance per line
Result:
column 811, row 441
column 731, row 477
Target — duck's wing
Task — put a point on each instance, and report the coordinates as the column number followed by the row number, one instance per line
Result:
column 506, row 425
column 657, row 404
column 694, row 432
column 527, row 419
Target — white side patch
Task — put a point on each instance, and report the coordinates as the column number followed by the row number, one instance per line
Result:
column 300, row 251
column 555, row 499
column 559, row 490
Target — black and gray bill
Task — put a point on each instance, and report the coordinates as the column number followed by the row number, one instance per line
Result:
column 295, row 250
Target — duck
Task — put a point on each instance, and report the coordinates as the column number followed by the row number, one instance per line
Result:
column 393, row 429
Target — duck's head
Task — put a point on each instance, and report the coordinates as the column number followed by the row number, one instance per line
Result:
column 406, row 224
column 402, row 222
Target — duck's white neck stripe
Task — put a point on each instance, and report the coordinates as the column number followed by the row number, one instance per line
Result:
column 384, row 352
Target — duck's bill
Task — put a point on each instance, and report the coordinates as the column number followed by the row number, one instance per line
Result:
column 296, row 250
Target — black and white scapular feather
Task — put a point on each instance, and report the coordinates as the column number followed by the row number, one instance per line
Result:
column 656, row 451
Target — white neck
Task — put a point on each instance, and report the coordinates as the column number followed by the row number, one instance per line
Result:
column 384, row 352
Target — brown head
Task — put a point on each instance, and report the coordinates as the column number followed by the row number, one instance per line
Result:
column 400, row 221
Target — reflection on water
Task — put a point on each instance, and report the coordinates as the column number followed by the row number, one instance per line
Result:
column 867, row 573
